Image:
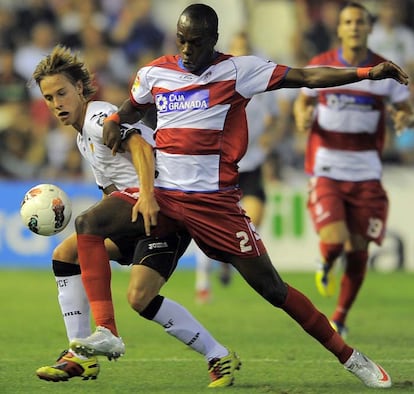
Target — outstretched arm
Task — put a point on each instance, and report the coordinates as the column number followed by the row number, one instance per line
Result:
column 322, row 77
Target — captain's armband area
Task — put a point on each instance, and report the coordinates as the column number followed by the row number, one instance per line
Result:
column 126, row 130
column 113, row 117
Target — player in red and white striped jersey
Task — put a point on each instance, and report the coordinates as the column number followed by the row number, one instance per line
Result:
column 200, row 96
column 347, row 202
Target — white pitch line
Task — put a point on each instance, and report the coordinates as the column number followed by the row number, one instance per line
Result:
column 257, row 360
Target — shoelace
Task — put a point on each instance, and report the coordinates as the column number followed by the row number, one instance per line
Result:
column 217, row 369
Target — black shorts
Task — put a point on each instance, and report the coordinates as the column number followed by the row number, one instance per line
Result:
column 251, row 184
column 126, row 245
column 159, row 253
column 162, row 253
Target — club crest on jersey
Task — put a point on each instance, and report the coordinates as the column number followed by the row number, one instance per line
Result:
column 99, row 118
column 182, row 101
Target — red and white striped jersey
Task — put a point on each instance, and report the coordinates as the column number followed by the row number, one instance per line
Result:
column 202, row 130
column 347, row 136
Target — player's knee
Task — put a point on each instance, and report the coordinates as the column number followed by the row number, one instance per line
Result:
column 139, row 299
column 272, row 288
column 334, row 232
column 86, row 224
column 276, row 293
column 65, row 253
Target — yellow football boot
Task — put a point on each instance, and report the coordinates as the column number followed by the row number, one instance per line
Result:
column 221, row 370
column 67, row 366
column 325, row 280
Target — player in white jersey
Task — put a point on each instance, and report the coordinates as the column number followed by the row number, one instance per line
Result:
column 67, row 88
column 200, row 96
column 347, row 202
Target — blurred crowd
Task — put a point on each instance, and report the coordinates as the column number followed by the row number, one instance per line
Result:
column 115, row 37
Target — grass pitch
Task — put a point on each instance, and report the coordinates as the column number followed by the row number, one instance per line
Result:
column 278, row 357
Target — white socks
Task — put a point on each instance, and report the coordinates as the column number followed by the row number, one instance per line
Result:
column 74, row 306
column 178, row 322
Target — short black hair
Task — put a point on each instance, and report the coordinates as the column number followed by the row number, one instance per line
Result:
column 203, row 15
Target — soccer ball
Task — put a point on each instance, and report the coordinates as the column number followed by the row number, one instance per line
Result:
column 46, row 209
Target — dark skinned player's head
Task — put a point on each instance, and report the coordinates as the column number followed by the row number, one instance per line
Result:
column 197, row 36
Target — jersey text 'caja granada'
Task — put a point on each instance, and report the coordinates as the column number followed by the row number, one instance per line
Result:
column 199, row 137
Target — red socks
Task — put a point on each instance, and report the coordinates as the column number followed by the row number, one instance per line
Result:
column 301, row 309
column 96, row 278
column 351, row 282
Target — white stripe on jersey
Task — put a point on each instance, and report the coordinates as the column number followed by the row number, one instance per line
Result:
column 201, row 172
column 348, row 165
column 342, row 121
column 253, row 74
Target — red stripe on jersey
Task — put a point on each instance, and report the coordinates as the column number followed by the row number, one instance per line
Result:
column 188, row 141
column 228, row 175
column 342, row 141
column 347, row 141
column 222, row 92
column 277, row 77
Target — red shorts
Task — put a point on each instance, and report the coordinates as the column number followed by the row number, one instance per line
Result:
column 216, row 222
column 165, row 225
column 362, row 205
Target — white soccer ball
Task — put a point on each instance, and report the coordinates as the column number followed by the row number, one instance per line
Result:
column 46, row 209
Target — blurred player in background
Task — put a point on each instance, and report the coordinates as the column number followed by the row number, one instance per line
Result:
column 261, row 114
column 66, row 86
column 347, row 202
column 200, row 96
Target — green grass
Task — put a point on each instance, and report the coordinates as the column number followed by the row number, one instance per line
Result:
column 278, row 357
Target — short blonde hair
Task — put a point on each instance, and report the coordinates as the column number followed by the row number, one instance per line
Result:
column 62, row 61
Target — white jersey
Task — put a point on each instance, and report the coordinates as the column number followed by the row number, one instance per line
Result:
column 108, row 170
column 202, row 129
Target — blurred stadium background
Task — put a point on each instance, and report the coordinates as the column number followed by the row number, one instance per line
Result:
column 115, row 38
